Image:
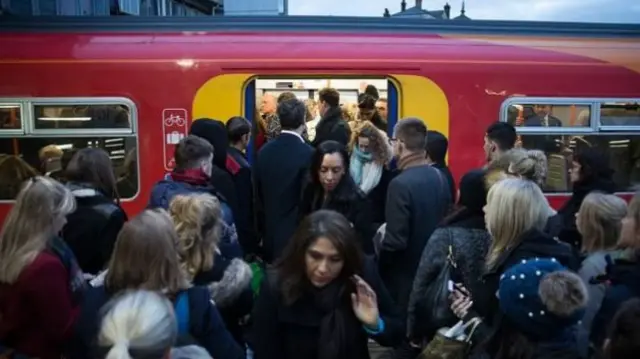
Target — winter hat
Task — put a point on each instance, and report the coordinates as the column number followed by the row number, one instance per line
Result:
column 541, row 297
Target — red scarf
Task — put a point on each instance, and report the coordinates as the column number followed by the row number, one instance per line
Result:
column 194, row 177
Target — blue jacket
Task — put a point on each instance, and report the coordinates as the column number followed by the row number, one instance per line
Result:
column 163, row 192
column 205, row 325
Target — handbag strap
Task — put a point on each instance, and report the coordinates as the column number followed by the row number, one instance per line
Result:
column 451, row 254
column 474, row 322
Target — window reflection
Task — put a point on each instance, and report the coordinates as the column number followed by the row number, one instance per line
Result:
column 81, row 116
column 545, row 115
column 623, row 151
column 620, row 114
column 10, row 117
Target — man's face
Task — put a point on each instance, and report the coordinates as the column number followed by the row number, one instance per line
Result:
column 322, row 108
column 489, row 148
column 268, row 104
column 382, row 108
column 206, row 165
column 542, row 110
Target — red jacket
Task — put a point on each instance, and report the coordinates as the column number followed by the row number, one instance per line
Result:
column 36, row 312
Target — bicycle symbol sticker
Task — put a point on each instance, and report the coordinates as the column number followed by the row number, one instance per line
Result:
column 174, row 129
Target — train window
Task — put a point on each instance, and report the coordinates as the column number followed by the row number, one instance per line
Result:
column 71, row 126
column 22, row 158
column 81, row 116
column 10, row 117
column 620, row 114
column 623, row 151
column 549, row 115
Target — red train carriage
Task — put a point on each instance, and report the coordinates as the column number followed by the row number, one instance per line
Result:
column 132, row 85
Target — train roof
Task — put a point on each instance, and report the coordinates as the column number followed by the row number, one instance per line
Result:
column 324, row 24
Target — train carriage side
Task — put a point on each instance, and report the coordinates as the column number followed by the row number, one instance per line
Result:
column 73, row 89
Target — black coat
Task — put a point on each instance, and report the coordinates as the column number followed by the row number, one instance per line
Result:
column 332, row 128
column 280, row 171
column 92, row 229
column 377, row 197
column 283, row 331
column 350, row 202
column 533, row 244
column 418, row 198
column 244, row 217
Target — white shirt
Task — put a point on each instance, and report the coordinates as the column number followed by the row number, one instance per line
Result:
column 293, row 133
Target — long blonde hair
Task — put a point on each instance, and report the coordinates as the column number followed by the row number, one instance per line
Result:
column 599, row 221
column 197, row 219
column 514, row 206
column 145, row 256
column 40, row 206
column 380, row 148
column 142, row 321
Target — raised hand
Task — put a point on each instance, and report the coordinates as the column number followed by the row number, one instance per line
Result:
column 365, row 303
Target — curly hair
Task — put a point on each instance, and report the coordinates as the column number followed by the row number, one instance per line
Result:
column 379, row 143
column 198, row 221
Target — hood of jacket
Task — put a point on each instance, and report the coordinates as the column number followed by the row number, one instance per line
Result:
column 215, row 133
column 83, row 190
column 235, row 280
column 537, row 244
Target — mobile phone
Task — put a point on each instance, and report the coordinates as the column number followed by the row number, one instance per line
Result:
column 450, row 286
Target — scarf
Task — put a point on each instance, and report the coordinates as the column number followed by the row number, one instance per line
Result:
column 412, row 160
column 338, row 326
column 194, row 177
column 77, row 284
column 365, row 172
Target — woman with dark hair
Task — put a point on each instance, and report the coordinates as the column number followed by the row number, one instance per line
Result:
column 464, row 230
column 590, row 172
column 91, row 230
column 367, row 111
column 323, row 299
column 331, row 187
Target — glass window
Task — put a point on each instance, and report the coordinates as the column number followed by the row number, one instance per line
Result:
column 623, row 150
column 63, row 116
column 23, row 158
column 620, row 114
column 10, row 117
column 546, row 115
column 300, row 94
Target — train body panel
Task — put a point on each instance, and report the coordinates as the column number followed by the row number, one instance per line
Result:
column 457, row 83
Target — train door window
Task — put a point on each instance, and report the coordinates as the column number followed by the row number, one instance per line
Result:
column 47, row 149
column 562, row 127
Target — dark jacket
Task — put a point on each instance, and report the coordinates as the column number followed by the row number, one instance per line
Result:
column 347, row 200
column 569, row 232
column 216, row 134
column 624, row 284
column 280, row 172
column 377, row 197
column 417, row 200
column 240, row 169
column 163, row 192
column 332, row 128
column 92, row 229
column 533, row 244
column 283, row 331
column 469, row 247
column 205, row 325
column 230, row 284
column 449, row 177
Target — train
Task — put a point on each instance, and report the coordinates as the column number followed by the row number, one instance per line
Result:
column 132, row 85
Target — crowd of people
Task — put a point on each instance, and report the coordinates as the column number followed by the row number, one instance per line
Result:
column 334, row 238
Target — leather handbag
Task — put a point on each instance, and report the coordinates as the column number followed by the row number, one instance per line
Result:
column 451, row 343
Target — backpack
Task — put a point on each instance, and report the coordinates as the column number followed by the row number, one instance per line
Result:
column 181, row 308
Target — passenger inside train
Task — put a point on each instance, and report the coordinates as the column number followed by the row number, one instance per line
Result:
column 347, row 240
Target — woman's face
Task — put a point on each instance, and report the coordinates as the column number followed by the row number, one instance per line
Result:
column 628, row 237
column 364, row 144
column 323, row 262
column 331, row 171
column 575, row 172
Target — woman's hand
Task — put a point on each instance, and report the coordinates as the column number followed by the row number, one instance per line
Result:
column 365, row 304
column 461, row 301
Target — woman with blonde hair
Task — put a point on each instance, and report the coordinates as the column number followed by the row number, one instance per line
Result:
column 198, row 219
column 599, row 221
column 145, row 257
column 370, row 157
column 515, row 215
column 40, row 281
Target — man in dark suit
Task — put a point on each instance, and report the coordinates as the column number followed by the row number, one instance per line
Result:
column 280, row 170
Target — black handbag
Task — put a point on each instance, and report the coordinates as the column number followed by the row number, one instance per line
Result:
column 436, row 308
